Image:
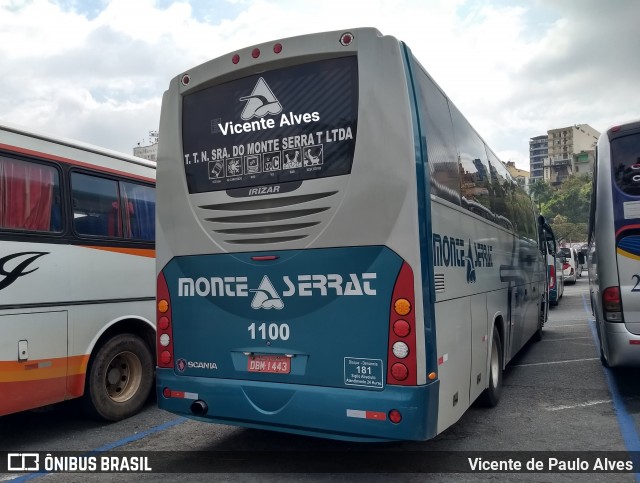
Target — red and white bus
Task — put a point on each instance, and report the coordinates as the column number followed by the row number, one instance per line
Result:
column 77, row 230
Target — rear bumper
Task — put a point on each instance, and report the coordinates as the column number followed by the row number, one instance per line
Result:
column 335, row 413
column 620, row 350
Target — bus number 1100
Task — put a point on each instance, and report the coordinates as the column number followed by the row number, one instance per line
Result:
column 272, row 331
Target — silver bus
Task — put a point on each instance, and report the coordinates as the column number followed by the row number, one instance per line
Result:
column 614, row 245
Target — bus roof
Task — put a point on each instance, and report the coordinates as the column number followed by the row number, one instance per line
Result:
column 13, row 128
column 621, row 127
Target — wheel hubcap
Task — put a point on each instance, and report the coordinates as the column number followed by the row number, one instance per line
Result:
column 123, row 376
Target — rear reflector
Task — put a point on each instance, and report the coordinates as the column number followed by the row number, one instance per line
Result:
column 375, row 415
column 395, row 416
column 169, row 393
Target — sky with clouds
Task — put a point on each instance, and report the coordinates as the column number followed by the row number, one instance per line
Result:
column 95, row 70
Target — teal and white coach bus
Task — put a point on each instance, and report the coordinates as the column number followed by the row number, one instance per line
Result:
column 339, row 253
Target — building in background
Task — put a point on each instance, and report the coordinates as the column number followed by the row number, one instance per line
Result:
column 583, row 162
column 520, row 175
column 149, row 151
column 562, row 152
column 538, row 152
column 564, row 144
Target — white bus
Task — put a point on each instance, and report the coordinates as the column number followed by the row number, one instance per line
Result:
column 614, row 245
column 77, row 248
column 339, row 252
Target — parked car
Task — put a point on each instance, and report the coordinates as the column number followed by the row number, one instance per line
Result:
column 571, row 267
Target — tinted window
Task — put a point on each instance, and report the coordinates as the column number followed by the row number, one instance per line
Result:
column 567, row 253
column 96, row 210
column 139, row 220
column 550, row 239
column 474, row 167
column 441, row 146
column 29, row 196
column 523, row 214
column 625, row 160
column 502, row 188
column 288, row 124
column 111, row 208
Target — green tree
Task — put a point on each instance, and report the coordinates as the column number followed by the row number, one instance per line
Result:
column 568, row 209
column 568, row 232
column 541, row 192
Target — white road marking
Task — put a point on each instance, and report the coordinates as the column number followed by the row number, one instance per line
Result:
column 567, row 338
column 556, row 362
column 580, row 405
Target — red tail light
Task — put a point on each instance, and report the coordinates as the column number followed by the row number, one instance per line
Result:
column 164, row 327
column 402, row 366
column 552, row 276
column 395, row 416
column 565, row 266
column 612, row 304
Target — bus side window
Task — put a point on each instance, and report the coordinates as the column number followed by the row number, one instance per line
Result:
column 95, row 205
column 503, row 189
column 473, row 165
column 140, row 220
column 90, row 225
column 441, row 146
column 27, row 195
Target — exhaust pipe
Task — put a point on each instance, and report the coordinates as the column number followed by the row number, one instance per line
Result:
column 199, row 408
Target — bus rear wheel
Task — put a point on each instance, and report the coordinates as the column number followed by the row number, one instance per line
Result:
column 491, row 395
column 542, row 319
column 603, row 358
column 119, row 378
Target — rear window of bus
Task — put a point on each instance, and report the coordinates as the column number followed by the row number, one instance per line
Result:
column 287, row 124
column 625, row 157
